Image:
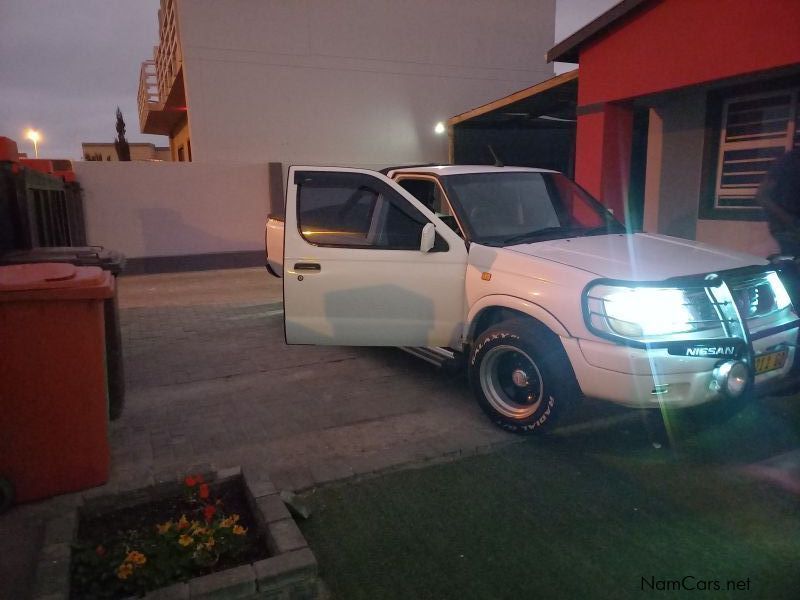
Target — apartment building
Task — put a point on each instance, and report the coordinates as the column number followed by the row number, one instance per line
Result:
column 350, row 82
column 139, row 151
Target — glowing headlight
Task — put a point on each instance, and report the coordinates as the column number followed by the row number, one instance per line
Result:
column 649, row 313
column 642, row 312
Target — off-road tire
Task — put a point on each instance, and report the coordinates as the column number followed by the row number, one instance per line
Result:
column 522, row 378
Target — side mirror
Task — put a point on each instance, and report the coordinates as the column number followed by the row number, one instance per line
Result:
column 428, row 238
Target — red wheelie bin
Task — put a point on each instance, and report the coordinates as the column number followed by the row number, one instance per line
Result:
column 53, row 393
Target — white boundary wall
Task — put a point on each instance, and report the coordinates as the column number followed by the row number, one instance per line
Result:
column 168, row 209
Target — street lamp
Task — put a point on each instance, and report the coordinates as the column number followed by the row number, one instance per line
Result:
column 34, row 136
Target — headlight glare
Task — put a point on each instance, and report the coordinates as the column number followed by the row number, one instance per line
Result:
column 637, row 312
column 649, row 313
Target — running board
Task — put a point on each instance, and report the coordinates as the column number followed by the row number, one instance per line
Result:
column 441, row 357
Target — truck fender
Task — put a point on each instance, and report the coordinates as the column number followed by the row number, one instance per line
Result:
column 516, row 304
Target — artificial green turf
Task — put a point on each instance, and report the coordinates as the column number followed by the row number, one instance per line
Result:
column 579, row 517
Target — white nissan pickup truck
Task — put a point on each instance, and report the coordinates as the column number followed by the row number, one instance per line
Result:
column 530, row 281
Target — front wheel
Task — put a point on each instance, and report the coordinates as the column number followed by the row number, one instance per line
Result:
column 522, row 378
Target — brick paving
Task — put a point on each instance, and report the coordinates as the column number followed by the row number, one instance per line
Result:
column 218, row 384
column 210, row 381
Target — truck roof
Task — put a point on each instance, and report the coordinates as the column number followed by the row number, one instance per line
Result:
column 443, row 170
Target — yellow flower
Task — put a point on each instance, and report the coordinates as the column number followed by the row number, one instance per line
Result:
column 137, row 558
column 229, row 521
column 124, row 570
column 239, row 530
column 185, row 540
column 162, row 529
column 210, row 544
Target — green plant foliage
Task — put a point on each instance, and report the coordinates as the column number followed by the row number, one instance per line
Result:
column 137, row 560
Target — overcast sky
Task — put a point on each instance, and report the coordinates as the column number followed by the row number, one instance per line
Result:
column 65, row 66
column 571, row 15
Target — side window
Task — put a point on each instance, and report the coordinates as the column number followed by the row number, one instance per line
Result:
column 355, row 210
column 430, row 194
column 423, row 190
column 427, row 192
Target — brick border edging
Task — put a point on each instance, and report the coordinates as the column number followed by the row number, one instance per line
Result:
column 289, row 573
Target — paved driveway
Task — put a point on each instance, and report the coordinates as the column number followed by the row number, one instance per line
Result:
column 210, row 381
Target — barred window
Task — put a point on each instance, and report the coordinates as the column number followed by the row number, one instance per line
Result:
column 756, row 130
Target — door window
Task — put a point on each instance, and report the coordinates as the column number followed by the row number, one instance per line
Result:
column 431, row 195
column 355, row 210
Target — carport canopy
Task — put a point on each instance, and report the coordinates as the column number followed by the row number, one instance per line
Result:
column 532, row 127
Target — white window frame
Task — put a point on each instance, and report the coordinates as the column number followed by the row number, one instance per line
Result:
column 786, row 143
column 400, row 178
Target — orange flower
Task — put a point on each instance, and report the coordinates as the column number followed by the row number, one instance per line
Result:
column 162, row 529
column 203, row 491
column 239, row 530
column 135, row 557
column 229, row 521
column 185, row 540
column 124, row 570
column 208, row 513
column 183, row 523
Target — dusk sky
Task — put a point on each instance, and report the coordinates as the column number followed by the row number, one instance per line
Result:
column 66, row 66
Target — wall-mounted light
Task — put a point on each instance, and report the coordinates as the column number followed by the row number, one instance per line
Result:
column 439, row 129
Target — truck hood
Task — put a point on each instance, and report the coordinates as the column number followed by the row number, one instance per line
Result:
column 638, row 257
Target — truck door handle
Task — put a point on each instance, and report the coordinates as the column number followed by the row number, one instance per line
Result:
column 307, row 267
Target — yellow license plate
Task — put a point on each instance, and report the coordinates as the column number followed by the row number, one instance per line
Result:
column 771, row 361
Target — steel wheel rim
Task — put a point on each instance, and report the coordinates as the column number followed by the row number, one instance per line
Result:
column 511, row 382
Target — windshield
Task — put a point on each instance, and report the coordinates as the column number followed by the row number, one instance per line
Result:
column 512, row 207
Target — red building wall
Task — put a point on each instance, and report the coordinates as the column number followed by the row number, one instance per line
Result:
column 668, row 44
column 676, row 43
column 602, row 154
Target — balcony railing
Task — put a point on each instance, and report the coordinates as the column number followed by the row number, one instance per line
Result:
column 149, row 97
column 160, row 78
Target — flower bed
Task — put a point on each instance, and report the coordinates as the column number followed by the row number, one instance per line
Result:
column 133, row 550
column 213, row 535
